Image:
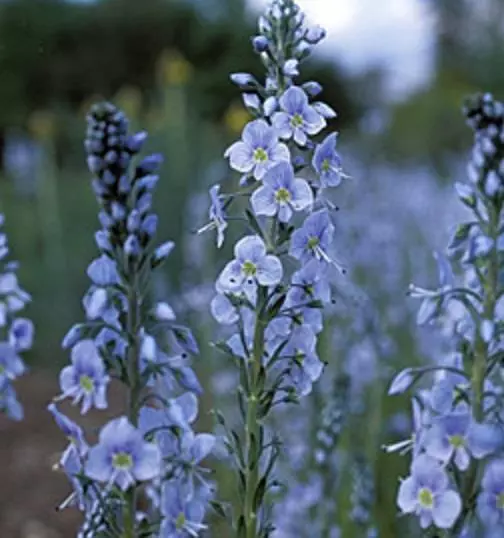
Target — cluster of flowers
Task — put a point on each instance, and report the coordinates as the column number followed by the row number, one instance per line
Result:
column 150, row 457
column 457, row 472
column 16, row 332
column 272, row 293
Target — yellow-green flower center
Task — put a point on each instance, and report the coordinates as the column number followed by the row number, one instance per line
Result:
column 299, row 356
column 2, row 369
column 180, row 521
column 86, row 383
column 282, row 195
column 425, row 498
column 122, row 460
column 313, row 242
column 260, row 155
column 326, row 165
column 297, row 120
column 249, row 268
column 500, row 501
column 457, row 441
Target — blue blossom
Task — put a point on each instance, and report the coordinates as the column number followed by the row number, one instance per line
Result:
column 183, row 517
column 122, row 457
column 491, row 499
column 77, row 447
column 216, row 216
column 312, row 241
column 86, row 378
column 251, row 266
column 103, row 271
column 21, row 334
column 258, row 150
column 11, row 365
column 327, row 162
column 281, row 193
column 455, row 435
column 297, row 118
column 427, row 494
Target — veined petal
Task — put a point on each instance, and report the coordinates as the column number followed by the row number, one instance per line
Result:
column 263, row 201
column 446, row 509
column 302, row 196
column 269, row 271
column 241, row 157
column 147, row 462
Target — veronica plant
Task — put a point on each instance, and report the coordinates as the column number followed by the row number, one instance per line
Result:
column 16, row 333
column 143, row 477
column 272, row 293
column 456, row 473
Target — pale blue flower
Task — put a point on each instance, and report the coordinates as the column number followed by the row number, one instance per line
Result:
column 216, row 216
column 252, row 266
column 281, row 193
column 122, row 457
column 491, row 499
column 313, row 240
column 11, row 365
column 297, row 119
column 427, row 494
column 183, row 517
column 85, row 379
column 327, row 162
column 258, row 150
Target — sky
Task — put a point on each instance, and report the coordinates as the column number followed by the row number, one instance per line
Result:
column 397, row 34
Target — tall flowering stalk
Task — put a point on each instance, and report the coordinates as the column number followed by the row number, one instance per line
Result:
column 16, row 333
column 143, row 477
column 272, row 293
column 457, row 479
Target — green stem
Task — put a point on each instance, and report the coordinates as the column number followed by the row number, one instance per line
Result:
column 252, row 420
column 133, row 318
column 490, row 290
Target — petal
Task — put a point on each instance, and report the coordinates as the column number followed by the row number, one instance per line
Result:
column 241, row 157
column 67, row 380
column 119, row 432
column 302, row 196
column 269, row 271
column 279, row 153
column 446, row 509
column 259, row 134
column 230, row 278
column 294, row 100
column 98, row 464
column 314, row 122
column 407, row 495
column 300, row 137
column 202, row 446
column 263, row 201
column 250, row 248
column 284, row 213
column 147, row 462
column 484, row 439
column 462, row 459
column 282, row 125
column 223, row 311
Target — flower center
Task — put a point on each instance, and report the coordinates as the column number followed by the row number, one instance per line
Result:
column 249, row 268
column 425, row 498
column 313, row 242
column 457, row 441
column 297, row 120
column 180, row 521
column 282, row 195
column 122, row 460
column 260, row 155
column 299, row 356
column 326, row 165
column 86, row 383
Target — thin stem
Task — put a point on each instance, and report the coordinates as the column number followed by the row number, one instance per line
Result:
column 252, row 433
column 133, row 318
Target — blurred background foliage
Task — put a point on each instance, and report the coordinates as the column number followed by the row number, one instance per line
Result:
column 167, row 64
